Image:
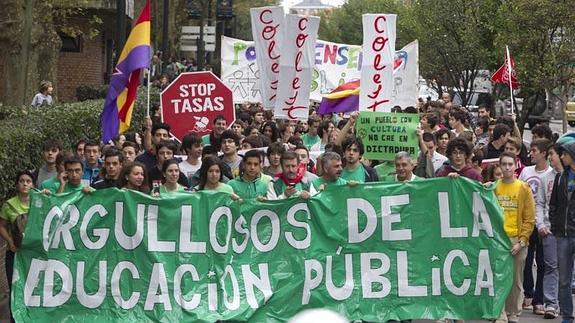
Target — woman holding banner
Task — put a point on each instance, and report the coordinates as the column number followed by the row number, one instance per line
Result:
column 134, row 177
column 171, row 172
column 13, row 216
column 211, row 176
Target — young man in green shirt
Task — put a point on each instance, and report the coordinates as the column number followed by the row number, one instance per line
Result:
column 252, row 183
column 311, row 137
column 72, row 181
column 354, row 169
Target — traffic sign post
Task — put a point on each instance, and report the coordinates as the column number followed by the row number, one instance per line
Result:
column 193, row 100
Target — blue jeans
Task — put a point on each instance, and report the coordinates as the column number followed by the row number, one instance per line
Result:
column 565, row 257
column 551, row 274
column 535, row 252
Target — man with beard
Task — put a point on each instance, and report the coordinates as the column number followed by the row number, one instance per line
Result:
column 331, row 166
column 293, row 181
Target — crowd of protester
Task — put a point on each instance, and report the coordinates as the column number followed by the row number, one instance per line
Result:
column 259, row 157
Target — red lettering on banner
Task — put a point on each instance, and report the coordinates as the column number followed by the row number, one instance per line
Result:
column 262, row 16
column 377, row 45
column 300, row 40
column 268, row 33
column 376, row 24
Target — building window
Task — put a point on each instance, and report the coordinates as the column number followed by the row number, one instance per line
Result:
column 71, row 44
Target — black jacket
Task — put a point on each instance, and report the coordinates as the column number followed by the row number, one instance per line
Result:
column 370, row 174
column 561, row 208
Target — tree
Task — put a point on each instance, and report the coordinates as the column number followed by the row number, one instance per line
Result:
column 243, row 27
column 30, row 44
column 456, row 41
column 541, row 36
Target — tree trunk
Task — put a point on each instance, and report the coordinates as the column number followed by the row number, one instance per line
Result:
column 29, row 47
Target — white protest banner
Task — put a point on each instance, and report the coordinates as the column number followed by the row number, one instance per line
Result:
column 377, row 66
column 296, row 66
column 406, row 75
column 267, row 26
column 239, row 69
column 335, row 64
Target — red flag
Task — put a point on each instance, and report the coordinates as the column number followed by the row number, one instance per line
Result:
column 502, row 74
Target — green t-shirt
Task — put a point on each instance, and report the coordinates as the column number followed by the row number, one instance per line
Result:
column 69, row 188
column 385, row 169
column 319, row 181
column 222, row 187
column 358, row 174
column 309, row 141
column 12, row 209
column 163, row 190
column 393, row 178
column 52, row 184
column 206, row 140
column 252, row 189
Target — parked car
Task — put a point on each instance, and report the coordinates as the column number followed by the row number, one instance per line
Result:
column 475, row 99
column 570, row 112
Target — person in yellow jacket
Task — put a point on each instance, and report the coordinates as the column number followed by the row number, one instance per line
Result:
column 518, row 205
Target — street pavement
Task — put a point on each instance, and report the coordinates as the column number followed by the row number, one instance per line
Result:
column 526, row 317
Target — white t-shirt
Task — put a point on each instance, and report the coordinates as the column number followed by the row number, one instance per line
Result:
column 533, row 177
column 188, row 169
column 438, row 160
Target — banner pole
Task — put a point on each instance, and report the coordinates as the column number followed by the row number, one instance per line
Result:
column 508, row 59
column 148, row 95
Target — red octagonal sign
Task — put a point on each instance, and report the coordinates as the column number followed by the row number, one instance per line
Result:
column 193, row 100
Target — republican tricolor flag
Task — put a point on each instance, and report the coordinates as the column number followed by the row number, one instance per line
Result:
column 506, row 73
column 135, row 56
column 345, row 98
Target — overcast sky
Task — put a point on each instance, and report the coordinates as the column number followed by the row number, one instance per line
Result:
column 288, row 3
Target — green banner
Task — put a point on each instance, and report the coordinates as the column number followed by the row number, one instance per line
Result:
column 385, row 134
column 423, row 250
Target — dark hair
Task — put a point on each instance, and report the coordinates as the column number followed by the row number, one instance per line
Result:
column 248, row 130
column 500, row 130
column 288, row 155
column 168, row 144
column 72, row 159
column 302, row 147
column 477, row 156
column 483, row 123
column 506, row 120
column 159, row 126
column 427, row 137
column 484, row 106
column 91, row 143
column 295, row 140
column 167, row 163
column 458, row 116
column 323, row 127
column 220, row 117
column 206, row 164
column 131, row 144
column 27, row 173
column 254, row 141
column 353, row 140
column 312, row 120
column 230, row 134
column 439, row 133
column 506, row 154
column 488, row 172
column 542, row 131
column 275, row 147
column 78, row 143
column 209, row 150
column 410, row 109
column 189, row 141
column 251, row 154
column 542, row 144
column 459, row 144
column 431, row 119
column 51, row 143
column 113, row 152
column 273, row 126
column 126, row 170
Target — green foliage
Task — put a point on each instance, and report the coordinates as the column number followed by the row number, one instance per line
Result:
column 90, row 92
column 243, row 28
column 27, row 129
